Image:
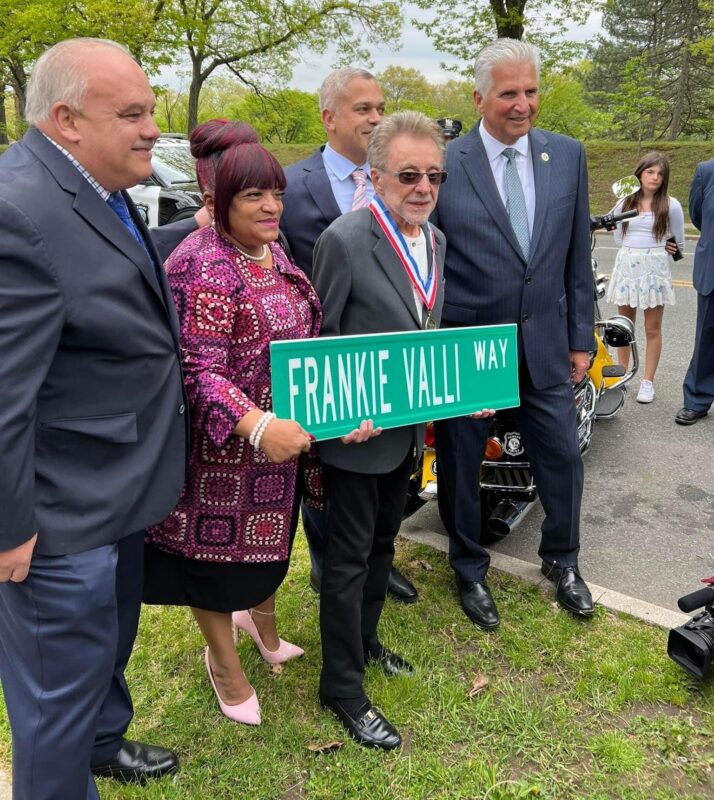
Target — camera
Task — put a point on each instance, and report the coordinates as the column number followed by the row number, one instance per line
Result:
column 692, row 645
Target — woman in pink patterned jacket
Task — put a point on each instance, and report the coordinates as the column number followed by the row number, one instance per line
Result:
column 225, row 548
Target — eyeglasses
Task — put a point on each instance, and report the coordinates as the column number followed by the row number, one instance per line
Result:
column 411, row 178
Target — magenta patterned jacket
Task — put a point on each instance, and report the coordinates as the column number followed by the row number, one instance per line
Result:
column 236, row 505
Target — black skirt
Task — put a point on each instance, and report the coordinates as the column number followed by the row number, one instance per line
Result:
column 173, row 580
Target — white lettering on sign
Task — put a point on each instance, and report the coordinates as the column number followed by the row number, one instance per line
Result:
column 344, row 378
column 432, row 387
column 484, row 350
column 384, row 406
column 328, row 393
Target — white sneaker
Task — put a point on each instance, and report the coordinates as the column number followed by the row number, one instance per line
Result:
column 646, row 393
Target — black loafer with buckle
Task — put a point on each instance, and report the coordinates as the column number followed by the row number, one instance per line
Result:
column 368, row 726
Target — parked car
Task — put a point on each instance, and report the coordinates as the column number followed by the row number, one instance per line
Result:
column 171, row 193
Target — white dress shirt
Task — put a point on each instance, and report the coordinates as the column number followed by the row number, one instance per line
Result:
column 524, row 164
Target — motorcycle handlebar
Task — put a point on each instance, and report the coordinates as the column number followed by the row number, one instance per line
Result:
column 609, row 221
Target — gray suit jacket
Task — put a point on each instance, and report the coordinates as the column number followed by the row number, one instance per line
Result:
column 93, row 422
column 550, row 296
column 309, row 207
column 701, row 211
column 364, row 288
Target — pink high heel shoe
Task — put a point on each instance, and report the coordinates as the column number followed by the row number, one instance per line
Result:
column 243, row 621
column 247, row 712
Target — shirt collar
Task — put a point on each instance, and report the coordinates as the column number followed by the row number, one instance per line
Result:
column 340, row 166
column 103, row 193
column 494, row 148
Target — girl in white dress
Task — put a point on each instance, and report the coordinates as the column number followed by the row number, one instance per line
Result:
column 642, row 276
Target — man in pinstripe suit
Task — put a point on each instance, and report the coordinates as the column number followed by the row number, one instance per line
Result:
column 515, row 215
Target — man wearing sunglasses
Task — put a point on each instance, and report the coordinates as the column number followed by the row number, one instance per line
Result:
column 515, row 215
column 335, row 179
column 377, row 269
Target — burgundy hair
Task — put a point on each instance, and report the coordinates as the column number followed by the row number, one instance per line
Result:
column 230, row 158
column 660, row 201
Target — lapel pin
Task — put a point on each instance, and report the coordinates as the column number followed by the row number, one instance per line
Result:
column 544, row 157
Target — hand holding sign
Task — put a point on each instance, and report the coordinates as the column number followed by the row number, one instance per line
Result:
column 365, row 432
column 284, row 439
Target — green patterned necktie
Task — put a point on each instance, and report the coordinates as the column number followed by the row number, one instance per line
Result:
column 516, row 202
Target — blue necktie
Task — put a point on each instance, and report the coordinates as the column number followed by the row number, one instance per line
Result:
column 516, row 202
column 119, row 206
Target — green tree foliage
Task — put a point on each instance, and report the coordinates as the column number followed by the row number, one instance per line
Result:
column 259, row 41
column 28, row 27
column 405, row 88
column 654, row 68
column 564, row 107
column 463, row 28
column 285, row 116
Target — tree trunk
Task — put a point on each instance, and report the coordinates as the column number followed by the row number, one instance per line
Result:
column 3, row 119
column 682, row 85
column 508, row 15
column 194, row 92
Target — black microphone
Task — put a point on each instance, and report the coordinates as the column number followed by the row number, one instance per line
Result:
column 690, row 602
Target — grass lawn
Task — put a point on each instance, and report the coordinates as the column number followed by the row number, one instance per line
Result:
column 571, row 709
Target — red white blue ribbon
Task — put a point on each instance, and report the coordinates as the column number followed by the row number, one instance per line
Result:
column 425, row 289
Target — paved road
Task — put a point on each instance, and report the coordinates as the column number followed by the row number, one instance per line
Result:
column 648, row 506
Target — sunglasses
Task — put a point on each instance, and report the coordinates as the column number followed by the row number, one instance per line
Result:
column 411, row 178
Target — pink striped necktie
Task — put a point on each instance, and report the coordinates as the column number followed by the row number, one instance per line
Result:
column 359, row 199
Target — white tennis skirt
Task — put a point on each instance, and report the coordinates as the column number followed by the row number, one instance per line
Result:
column 641, row 278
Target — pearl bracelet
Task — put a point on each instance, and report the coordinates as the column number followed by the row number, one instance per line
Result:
column 259, row 429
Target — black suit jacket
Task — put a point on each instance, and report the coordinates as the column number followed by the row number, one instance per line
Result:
column 93, row 422
column 309, row 208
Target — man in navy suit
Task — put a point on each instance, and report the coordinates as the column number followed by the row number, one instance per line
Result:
column 93, row 423
column 698, row 385
column 332, row 181
column 515, row 214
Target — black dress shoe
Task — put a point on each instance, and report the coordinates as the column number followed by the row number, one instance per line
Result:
column 390, row 663
column 400, row 589
column 478, row 604
column 570, row 589
column 688, row 416
column 137, row 762
column 368, row 726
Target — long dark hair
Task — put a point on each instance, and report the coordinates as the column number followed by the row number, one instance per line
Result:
column 660, row 201
column 230, row 158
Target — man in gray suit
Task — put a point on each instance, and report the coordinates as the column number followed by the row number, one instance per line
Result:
column 698, row 388
column 515, row 215
column 93, row 423
column 368, row 285
column 333, row 180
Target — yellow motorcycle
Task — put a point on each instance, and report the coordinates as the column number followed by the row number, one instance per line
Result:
column 506, row 482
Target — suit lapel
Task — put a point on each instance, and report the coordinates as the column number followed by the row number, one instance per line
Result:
column 394, row 269
column 90, row 206
column 318, row 185
column 541, row 178
column 478, row 170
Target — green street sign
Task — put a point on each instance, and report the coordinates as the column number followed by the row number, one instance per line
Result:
column 329, row 385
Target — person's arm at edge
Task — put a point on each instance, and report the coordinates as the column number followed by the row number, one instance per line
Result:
column 31, row 319
column 579, row 279
column 696, row 198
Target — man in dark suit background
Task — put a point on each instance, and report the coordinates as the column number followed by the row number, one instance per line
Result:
column 364, row 286
column 335, row 179
column 515, row 215
column 698, row 388
column 93, row 426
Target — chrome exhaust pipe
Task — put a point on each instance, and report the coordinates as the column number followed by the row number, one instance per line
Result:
column 505, row 515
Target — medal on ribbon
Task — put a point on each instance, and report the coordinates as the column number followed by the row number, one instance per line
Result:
column 426, row 290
